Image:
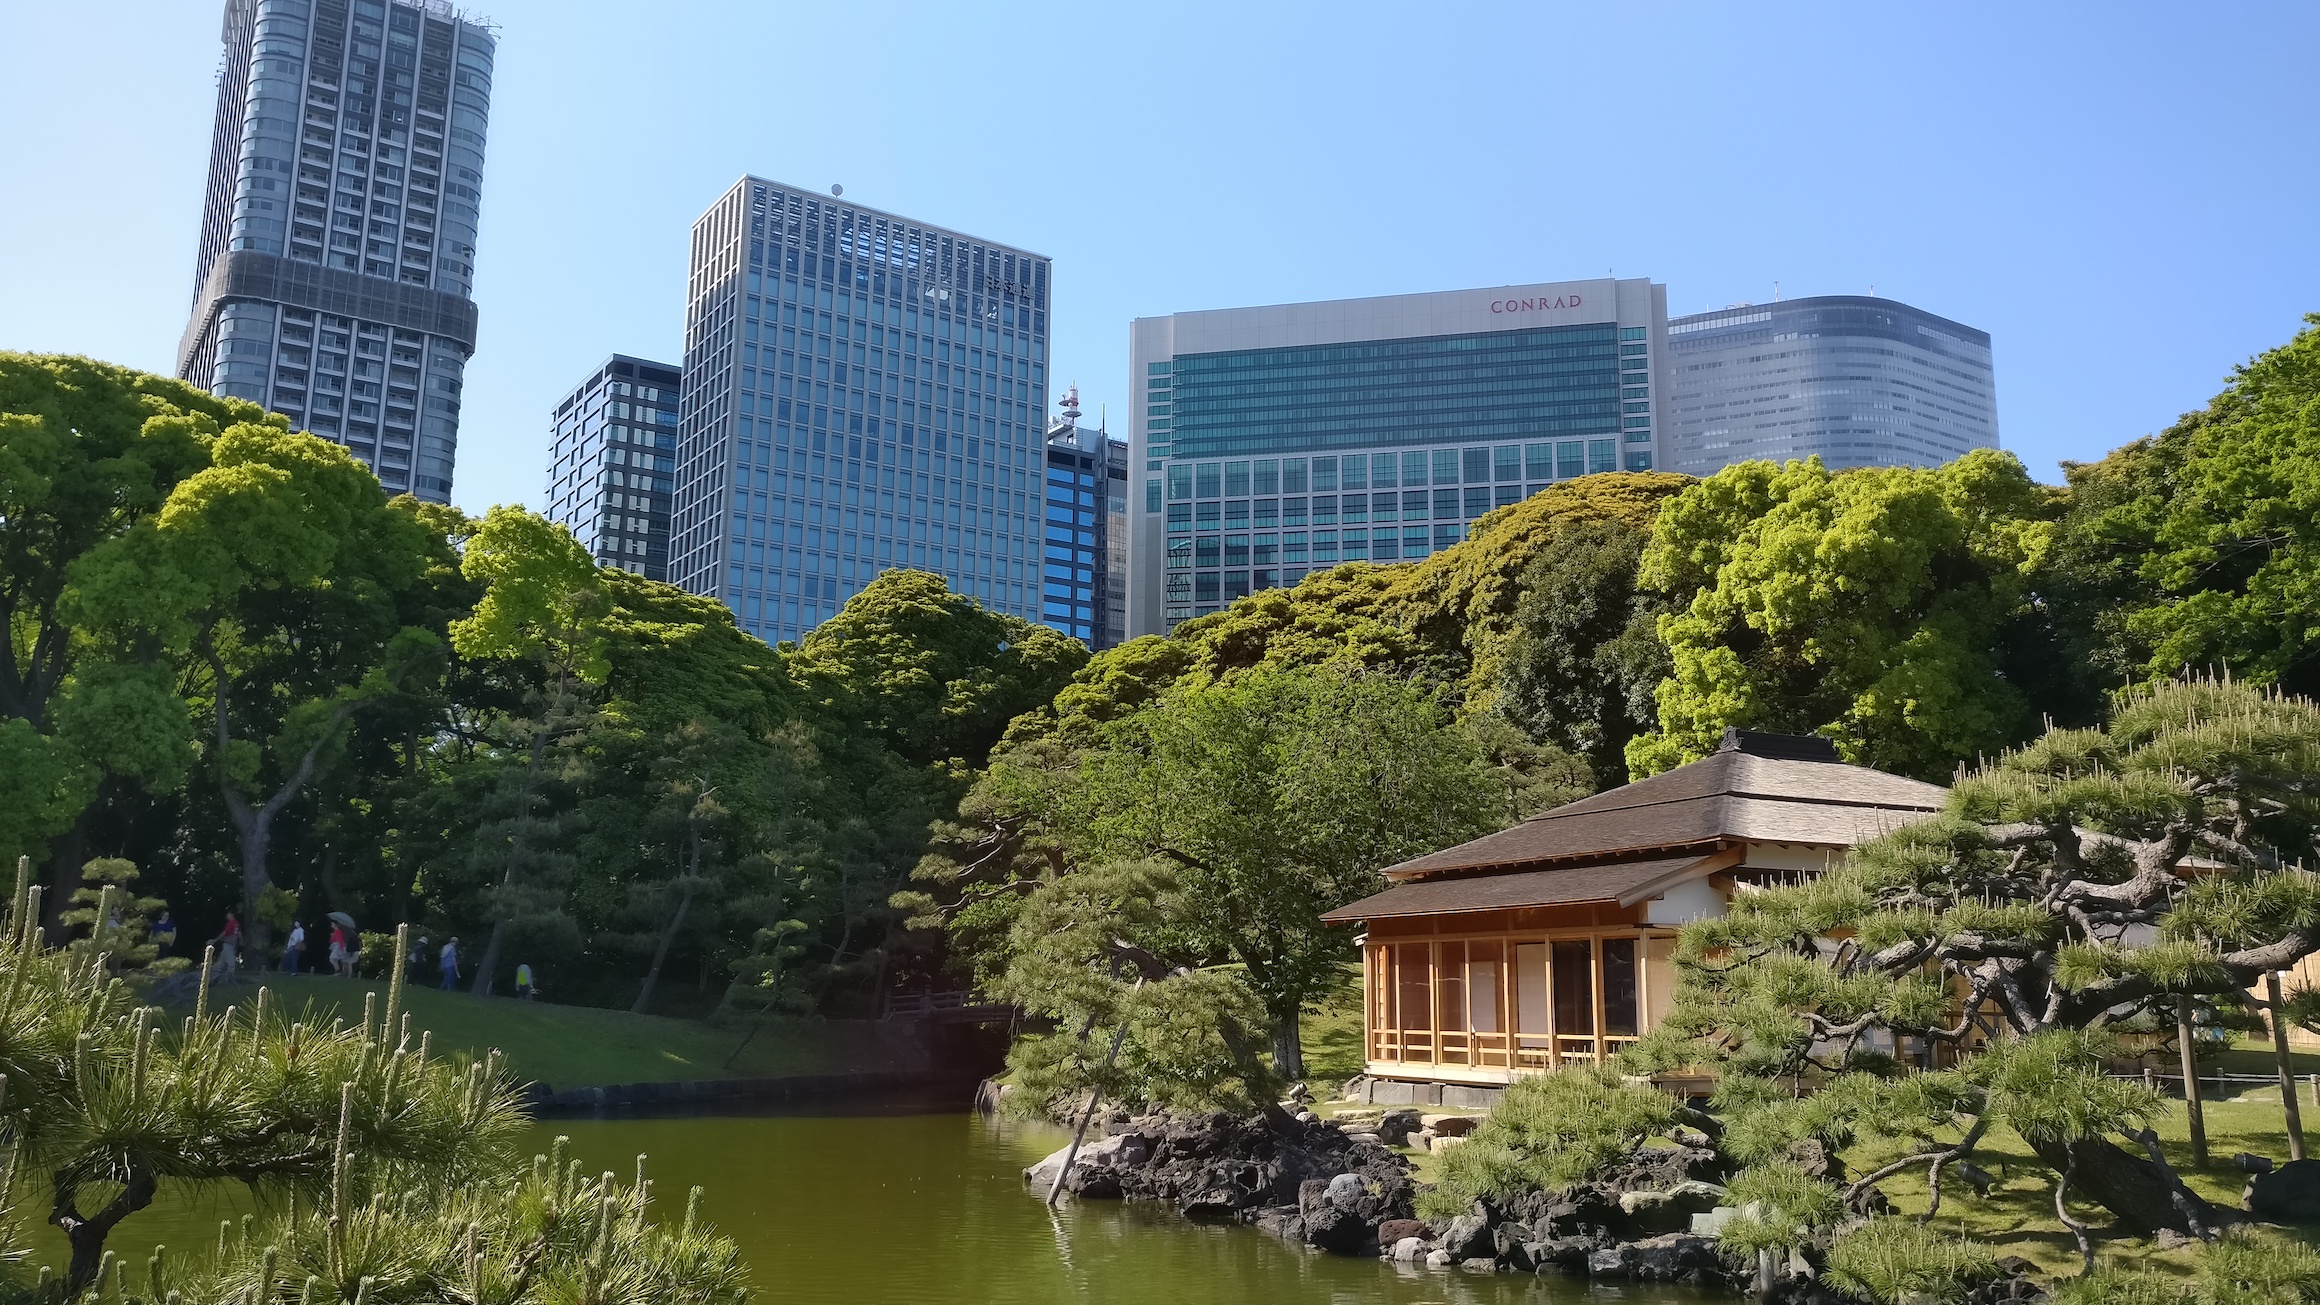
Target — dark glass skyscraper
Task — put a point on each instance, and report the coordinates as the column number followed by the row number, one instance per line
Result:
column 612, row 463
column 338, row 232
column 861, row 391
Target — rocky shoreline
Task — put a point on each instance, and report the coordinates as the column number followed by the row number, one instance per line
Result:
column 1337, row 1187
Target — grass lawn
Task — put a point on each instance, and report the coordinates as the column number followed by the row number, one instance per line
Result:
column 1332, row 1038
column 578, row 1046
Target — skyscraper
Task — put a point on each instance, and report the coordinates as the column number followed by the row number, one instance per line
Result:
column 1856, row 380
column 338, row 232
column 1084, row 565
column 612, row 462
column 1273, row 440
column 862, row 391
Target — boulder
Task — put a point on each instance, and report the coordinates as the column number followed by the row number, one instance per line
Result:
column 1407, row 1250
column 1479, row 1264
column 1345, row 1190
column 1652, row 1213
column 1392, row 1231
column 1668, row 1258
column 2288, row 1194
column 1450, row 1125
column 1438, row 1260
column 1469, row 1236
column 1397, row 1125
column 1371, row 1139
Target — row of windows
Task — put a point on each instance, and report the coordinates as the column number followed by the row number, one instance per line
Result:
column 1507, row 463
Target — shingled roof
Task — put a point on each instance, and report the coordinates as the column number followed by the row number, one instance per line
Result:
column 1759, row 788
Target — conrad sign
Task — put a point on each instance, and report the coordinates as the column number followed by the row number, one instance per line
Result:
column 1540, row 304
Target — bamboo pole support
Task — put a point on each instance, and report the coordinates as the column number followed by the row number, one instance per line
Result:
column 2289, row 1102
column 2191, row 1105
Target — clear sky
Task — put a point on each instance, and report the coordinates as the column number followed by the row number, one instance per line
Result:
column 2123, row 195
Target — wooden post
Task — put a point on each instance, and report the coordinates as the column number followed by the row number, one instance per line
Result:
column 2288, row 1101
column 2191, row 1106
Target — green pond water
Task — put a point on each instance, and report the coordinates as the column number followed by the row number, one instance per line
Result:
column 930, row 1209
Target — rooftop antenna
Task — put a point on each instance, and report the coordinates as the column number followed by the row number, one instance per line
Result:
column 1776, row 292
column 1872, row 289
column 1071, row 403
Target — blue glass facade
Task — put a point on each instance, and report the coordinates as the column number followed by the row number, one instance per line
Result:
column 611, row 463
column 861, row 392
column 1084, row 556
column 1261, row 464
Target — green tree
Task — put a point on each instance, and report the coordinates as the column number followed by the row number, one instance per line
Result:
column 88, row 451
column 2198, row 547
column 541, row 605
column 2076, row 888
column 1584, row 658
column 277, row 573
column 1878, row 607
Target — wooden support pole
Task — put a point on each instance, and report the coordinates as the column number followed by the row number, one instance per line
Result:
column 2288, row 1101
column 2191, row 1106
column 1087, row 1116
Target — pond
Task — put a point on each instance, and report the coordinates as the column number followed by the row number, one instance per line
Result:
column 930, row 1209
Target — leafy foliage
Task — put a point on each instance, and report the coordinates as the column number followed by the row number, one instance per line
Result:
column 1891, row 1259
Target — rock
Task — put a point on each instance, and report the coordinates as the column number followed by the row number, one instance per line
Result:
column 1654, row 1213
column 1438, row 1259
column 1370, row 1139
column 1657, row 1259
column 1306, row 1117
column 1685, row 1135
column 1408, row 1249
column 1345, row 1190
column 1041, row 1176
column 1450, row 1125
column 1440, row 1144
column 1710, row 1223
column 2167, row 1239
column 2288, row 1194
column 1282, row 1221
column 1816, row 1160
column 2253, row 1163
column 1212, row 1208
column 1479, row 1264
column 1469, row 1236
column 1393, row 1231
column 1395, row 1127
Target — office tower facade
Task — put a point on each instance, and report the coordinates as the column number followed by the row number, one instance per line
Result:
column 862, row 391
column 337, row 247
column 612, row 463
column 1085, row 554
column 1854, row 380
column 1267, row 441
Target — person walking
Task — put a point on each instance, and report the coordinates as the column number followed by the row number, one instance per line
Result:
column 292, row 949
column 415, row 965
column 338, row 949
column 353, row 953
column 163, row 933
column 448, row 961
column 523, row 983
column 229, row 945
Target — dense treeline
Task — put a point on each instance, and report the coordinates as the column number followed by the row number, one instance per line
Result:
column 239, row 665
column 236, row 664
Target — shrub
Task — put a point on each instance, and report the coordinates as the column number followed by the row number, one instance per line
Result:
column 1889, row 1258
column 1550, row 1131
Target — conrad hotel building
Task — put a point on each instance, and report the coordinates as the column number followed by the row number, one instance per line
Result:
column 1270, row 441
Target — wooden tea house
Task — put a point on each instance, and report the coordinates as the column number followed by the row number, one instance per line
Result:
column 1550, row 942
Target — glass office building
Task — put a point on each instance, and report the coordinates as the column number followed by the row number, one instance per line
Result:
column 338, row 231
column 1854, row 380
column 612, row 461
column 861, row 391
column 1271, row 441
column 1084, row 557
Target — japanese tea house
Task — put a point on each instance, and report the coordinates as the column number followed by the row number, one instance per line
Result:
column 1550, row 942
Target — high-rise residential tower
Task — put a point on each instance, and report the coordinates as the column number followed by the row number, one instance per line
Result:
column 612, row 463
column 1084, row 565
column 1272, row 440
column 1856, row 380
column 338, row 233
column 862, row 391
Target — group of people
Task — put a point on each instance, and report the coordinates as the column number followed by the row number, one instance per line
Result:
column 345, row 952
column 345, row 947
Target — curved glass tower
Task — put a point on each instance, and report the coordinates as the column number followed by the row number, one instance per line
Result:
column 338, row 233
column 1856, row 380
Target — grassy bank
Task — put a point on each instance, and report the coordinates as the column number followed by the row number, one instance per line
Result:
column 577, row 1046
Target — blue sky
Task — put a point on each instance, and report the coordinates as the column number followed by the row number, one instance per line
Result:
column 2123, row 195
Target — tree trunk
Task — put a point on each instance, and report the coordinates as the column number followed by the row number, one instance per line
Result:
column 67, row 853
column 87, row 1236
column 692, row 876
column 489, row 965
column 1288, row 1049
column 2133, row 1189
